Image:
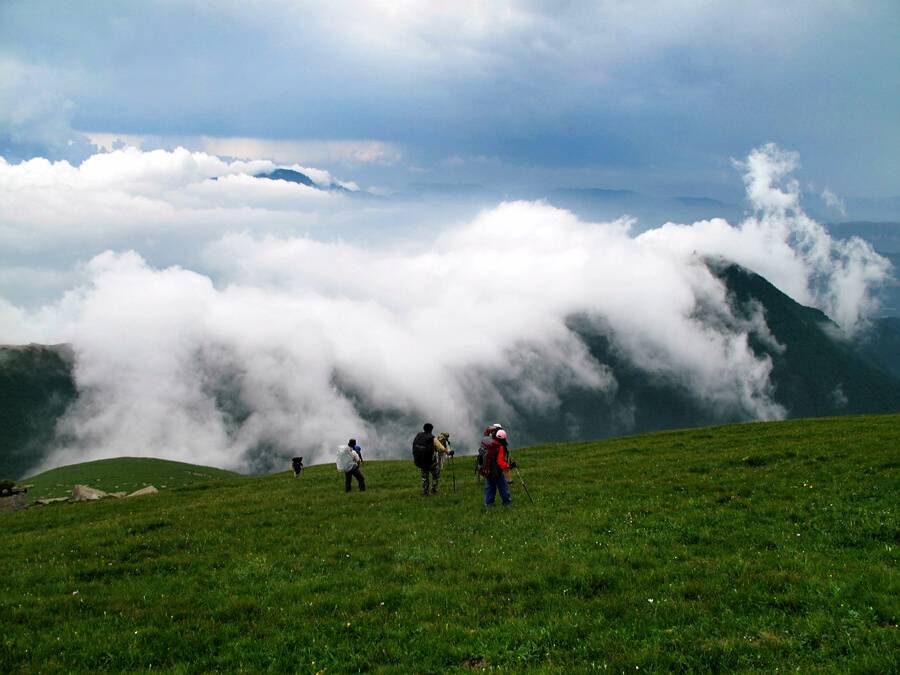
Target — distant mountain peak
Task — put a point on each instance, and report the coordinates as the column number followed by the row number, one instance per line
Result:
column 288, row 175
column 292, row 176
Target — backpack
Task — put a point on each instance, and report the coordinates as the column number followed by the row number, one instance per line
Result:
column 423, row 450
column 486, row 462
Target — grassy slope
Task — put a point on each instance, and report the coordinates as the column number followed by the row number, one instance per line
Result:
column 123, row 474
column 744, row 548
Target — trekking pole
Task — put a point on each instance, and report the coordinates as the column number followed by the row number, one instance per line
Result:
column 453, row 471
column 523, row 485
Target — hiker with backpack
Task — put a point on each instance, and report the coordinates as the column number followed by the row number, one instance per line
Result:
column 428, row 457
column 348, row 461
column 479, row 463
column 493, row 465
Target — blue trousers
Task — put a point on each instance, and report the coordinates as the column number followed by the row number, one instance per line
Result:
column 492, row 485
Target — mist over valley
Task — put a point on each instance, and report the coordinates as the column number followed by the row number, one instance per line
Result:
column 263, row 344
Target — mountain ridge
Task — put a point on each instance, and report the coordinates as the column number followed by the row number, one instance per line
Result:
column 815, row 372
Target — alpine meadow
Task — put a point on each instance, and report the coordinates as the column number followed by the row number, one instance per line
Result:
column 750, row 548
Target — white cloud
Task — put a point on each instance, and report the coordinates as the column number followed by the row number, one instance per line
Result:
column 304, row 332
column 833, row 201
column 783, row 244
column 113, row 197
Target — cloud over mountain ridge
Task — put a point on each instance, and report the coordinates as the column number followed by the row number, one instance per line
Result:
column 260, row 337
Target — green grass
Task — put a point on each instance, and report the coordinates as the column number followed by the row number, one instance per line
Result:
column 749, row 548
column 123, row 474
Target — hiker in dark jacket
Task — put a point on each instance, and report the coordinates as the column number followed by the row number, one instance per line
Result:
column 426, row 445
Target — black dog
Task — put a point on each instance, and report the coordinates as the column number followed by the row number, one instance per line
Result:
column 297, row 466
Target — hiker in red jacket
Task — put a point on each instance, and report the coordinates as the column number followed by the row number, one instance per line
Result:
column 496, row 467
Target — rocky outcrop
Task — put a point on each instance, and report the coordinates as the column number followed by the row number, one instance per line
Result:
column 149, row 490
column 44, row 502
column 15, row 498
column 13, row 502
column 83, row 493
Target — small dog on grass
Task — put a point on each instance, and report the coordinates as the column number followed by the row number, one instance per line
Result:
column 297, row 466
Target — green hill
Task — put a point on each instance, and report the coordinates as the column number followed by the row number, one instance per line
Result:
column 36, row 387
column 768, row 547
column 122, row 474
column 816, row 371
column 817, row 374
column 883, row 338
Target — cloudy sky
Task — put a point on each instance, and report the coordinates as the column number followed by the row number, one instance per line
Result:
column 657, row 96
column 433, row 263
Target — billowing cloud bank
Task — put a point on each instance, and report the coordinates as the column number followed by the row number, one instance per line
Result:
column 287, row 344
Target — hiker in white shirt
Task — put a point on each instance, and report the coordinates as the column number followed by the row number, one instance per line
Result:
column 348, row 461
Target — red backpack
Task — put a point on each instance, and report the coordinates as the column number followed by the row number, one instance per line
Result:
column 486, row 463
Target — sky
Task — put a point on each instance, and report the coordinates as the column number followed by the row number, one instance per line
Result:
column 657, row 96
column 433, row 263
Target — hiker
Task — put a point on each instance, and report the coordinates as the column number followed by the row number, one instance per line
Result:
column 483, row 450
column 444, row 439
column 501, row 438
column 494, row 448
column 348, row 461
column 297, row 466
column 492, row 430
column 427, row 451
